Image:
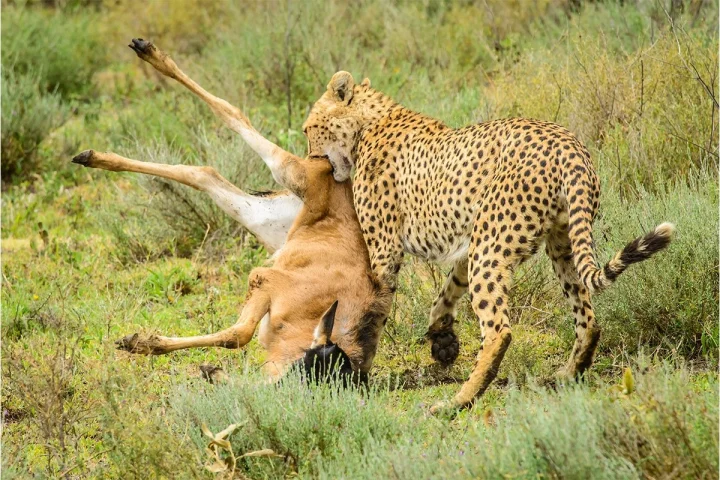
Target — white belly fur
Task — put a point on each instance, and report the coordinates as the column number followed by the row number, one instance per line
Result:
column 263, row 331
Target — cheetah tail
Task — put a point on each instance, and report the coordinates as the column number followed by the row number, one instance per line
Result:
column 636, row 251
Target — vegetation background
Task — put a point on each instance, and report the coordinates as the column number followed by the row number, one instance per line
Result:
column 89, row 256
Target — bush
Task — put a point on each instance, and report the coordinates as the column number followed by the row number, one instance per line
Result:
column 610, row 71
column 63, row 50
column 46, row 60
column 282, row 59
column 28, row 114
column 668, row 303
column 677, row 306
column 324, row 433
column 174, row 218
column 643, row 119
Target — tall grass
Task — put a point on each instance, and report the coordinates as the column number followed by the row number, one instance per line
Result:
column 63, row 50
column 29, row 114
column 648, row 108
column 48, row 60
column 668, row 303
column 661, row 427
column 638, row 103
column 676, row 309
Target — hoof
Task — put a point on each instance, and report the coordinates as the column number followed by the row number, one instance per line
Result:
column 128, row 342
column 447, row 410
column 84, row 158
column 142, row 47
column 551, row 384
column 213, row 374
column 134, row 344
column 445, row 345
column 155, row 57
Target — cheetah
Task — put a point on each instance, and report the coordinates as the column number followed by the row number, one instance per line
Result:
column 483, row 198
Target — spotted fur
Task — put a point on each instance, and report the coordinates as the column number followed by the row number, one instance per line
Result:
column 483, row 197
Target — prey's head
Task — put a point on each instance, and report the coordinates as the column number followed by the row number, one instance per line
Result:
column 325, row 361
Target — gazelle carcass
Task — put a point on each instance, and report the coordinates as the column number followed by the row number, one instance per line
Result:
column 320, row 275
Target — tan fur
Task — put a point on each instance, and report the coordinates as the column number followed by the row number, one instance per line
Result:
column 482, row 197
column 323, row 259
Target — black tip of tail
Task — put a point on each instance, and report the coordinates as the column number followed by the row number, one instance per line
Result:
column 642, row 248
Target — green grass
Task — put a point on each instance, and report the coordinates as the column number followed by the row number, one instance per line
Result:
column 29, row 114
column 90, row 256
column 664, row 426
column 65, row 50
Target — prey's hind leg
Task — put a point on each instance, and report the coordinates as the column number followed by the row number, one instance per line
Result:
column 445, row 346
column 268, row 217
column 587, row 331
column 284, row 166
column 257, row 305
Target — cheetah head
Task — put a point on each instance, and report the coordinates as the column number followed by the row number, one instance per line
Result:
column 335, row 121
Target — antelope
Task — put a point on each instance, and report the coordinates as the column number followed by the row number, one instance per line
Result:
column 318, row 304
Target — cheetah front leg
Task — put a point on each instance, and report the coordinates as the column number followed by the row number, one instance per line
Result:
column 445, row 346
column 493, row 256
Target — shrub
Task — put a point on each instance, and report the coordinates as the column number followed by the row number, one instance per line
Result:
column 324, row 433
column 63, row 50
column 176, row 216
column 28, row 115
column 670, row 301
column 647, row 111
column 667, row 304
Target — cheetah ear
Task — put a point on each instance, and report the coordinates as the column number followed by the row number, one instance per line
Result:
column 366, row 82
column 341, row 85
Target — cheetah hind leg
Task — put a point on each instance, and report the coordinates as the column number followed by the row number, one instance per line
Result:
column 445, row 346
column 587, row 331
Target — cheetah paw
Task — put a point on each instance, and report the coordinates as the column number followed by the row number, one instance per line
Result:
column 445, row 346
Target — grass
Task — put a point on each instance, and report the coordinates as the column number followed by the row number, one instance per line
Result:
column 653, row 425
column 91, row 256
column 28, row 115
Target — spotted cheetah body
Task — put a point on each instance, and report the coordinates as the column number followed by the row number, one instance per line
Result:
column 482, row 197
column 441, row 189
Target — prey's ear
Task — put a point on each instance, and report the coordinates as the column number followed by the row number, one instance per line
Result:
column 341, row 85
column 325, row 327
